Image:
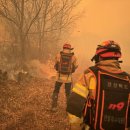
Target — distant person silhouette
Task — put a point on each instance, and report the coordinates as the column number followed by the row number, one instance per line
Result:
column 65, row 65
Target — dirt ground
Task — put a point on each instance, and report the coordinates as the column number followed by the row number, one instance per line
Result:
column 26, row 106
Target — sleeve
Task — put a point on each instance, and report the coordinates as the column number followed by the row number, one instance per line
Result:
column 76, row 103
column 75, row 62
column 77, row 98
column 57, row 60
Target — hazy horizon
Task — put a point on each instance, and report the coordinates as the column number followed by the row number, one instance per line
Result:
column 102, row 20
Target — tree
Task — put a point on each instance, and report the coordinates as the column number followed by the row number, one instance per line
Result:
column 55, row 18
column 37, row 24
column 20, row 15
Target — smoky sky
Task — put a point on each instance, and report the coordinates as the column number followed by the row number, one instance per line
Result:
column 102, row 20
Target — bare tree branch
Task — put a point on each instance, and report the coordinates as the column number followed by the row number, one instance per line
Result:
column 33, row 20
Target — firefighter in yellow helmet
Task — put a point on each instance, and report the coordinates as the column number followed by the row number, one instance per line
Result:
column 65, row 65
column 100, row 100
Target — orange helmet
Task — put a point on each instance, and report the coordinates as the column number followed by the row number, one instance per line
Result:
column 108, row 49
column 67, row 46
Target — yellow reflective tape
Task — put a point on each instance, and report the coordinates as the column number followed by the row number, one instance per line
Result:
column 74, row 119
column 81, row 90
column 92, row 84
column 64, row 77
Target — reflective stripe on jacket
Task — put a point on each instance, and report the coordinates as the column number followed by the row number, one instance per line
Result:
column 84, row 86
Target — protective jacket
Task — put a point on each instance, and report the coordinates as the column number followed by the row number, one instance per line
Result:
column 101, row 104
column 65, row 65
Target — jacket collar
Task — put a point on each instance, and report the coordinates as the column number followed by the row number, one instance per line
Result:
column 112, row 66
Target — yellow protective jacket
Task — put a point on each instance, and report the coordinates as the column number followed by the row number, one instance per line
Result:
column 84, row 86
column 63, row 77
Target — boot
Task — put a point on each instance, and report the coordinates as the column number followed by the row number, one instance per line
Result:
column 54, row 102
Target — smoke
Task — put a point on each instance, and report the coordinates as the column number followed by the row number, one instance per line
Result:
column 103, row 20
column 40, row 70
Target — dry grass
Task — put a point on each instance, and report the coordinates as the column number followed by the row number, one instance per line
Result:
column 27, row 106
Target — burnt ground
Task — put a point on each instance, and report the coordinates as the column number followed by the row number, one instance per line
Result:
column 26, row 106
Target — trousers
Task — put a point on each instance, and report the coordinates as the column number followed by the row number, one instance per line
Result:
column 56, row 92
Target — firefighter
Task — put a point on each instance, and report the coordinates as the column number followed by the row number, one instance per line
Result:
column 100, row 100
column 65, row 65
